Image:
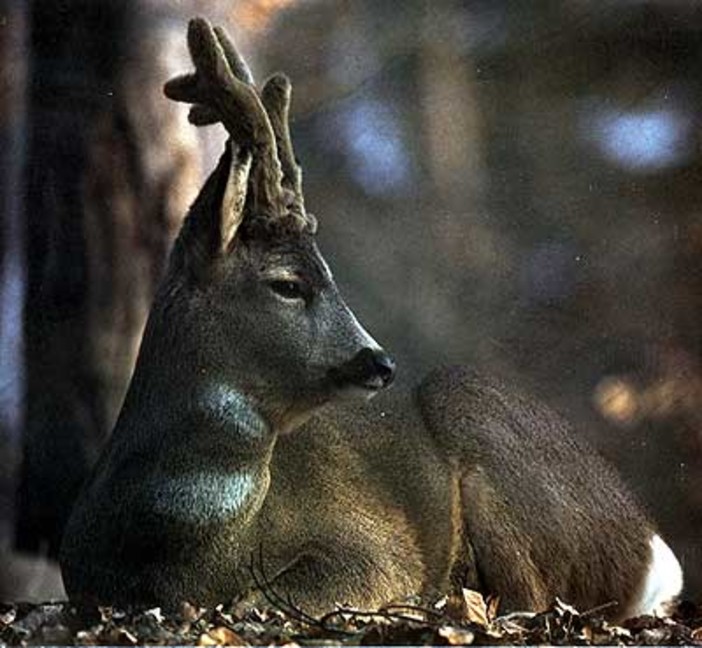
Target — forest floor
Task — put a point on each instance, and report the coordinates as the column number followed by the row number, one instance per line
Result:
column 467, row 619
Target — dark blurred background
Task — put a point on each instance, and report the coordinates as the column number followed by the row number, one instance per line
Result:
column 512, row 185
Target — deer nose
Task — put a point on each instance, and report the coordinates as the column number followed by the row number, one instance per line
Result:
column 373, row 369
column 370, row 368
column 383, row 366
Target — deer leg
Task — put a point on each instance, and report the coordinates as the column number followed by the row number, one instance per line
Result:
column 321, row 577
column 499, row 556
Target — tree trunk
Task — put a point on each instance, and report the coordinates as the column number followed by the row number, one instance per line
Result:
column 12, row 112
column 12, row 144
column 111, row 168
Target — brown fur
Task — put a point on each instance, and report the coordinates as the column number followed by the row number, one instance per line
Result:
column 362, row 505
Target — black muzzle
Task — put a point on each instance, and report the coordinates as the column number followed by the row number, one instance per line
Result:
column 370, row 369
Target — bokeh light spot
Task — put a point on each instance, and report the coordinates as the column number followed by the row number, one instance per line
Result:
column 379, row 160
column 642, row 140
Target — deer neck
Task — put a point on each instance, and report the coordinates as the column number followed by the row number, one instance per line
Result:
column 228, row 409
column 213, row 449
column 209, row 406
column 177, row 396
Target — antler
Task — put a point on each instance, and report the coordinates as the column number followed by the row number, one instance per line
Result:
column 276, row 97
column 222, row 90
column 218, row 94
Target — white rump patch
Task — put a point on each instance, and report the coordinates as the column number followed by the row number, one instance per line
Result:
column 202, row 497
column 663, row 583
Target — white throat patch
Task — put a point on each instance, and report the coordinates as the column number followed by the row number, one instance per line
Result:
column 231, row 409
column 205, row 497
column 213, row 493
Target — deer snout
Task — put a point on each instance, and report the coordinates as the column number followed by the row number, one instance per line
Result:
column 383, row 365
column 371, row 369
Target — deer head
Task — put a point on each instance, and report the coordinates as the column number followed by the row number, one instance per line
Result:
column 249, row 306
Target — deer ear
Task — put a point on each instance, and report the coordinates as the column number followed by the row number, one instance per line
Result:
column 214, row 218
column 231, row 210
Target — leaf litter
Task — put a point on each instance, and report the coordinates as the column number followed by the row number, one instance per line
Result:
column 462, row 619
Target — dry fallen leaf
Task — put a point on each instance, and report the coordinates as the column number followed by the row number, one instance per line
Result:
column 476, row 610
column 156, row 614
column 441, row 603
column 457, row 636
column 189, row 612
column 124, row 637
column 221, row 636
column 8, row 616
column 563, row 608
column 493, row 607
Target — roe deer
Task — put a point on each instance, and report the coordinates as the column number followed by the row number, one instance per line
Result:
column 235, row 447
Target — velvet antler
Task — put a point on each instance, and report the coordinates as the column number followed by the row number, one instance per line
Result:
column 222, row 90
column 276, row 97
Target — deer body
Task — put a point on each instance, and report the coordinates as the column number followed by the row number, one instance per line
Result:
column 241, row 460
column 364, row 505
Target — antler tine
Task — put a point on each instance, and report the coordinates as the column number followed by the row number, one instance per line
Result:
column 219, row 94
column 239, row 67
column 276, row 96
column 203, row 114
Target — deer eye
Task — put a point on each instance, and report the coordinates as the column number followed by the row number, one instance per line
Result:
column 287, row 289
